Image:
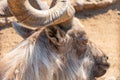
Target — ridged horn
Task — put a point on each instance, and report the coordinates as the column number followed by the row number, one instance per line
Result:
column 5, row 12
column 30, row 16
column 68, row 16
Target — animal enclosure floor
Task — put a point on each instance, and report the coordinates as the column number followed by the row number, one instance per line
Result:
column 102, row 27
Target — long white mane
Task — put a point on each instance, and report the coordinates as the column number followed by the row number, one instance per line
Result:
column 36, row 61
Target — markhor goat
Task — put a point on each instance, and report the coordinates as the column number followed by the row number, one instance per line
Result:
column 57, row 50
column 51, row 53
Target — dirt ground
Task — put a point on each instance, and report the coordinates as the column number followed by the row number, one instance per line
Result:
column 102, row 27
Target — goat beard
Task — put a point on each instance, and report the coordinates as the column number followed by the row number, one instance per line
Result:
column 34, row 61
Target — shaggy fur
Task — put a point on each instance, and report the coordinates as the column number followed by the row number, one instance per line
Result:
column 50, row 54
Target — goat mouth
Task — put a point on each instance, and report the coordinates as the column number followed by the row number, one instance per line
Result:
column 101, row 69
column 104, row 66
column 100, row 73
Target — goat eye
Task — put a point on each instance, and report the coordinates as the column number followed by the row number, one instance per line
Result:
column 84, row 40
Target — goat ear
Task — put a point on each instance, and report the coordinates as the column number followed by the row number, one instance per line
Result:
column 21, row 30
column 55, row 35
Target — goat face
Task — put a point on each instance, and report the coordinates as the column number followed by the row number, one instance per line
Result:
column 101, row 64
column 50, row 53
column 95, row 57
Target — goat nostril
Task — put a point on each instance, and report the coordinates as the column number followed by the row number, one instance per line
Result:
column 107, row 57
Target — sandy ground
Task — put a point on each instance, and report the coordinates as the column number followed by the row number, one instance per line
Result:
column 102, row 27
